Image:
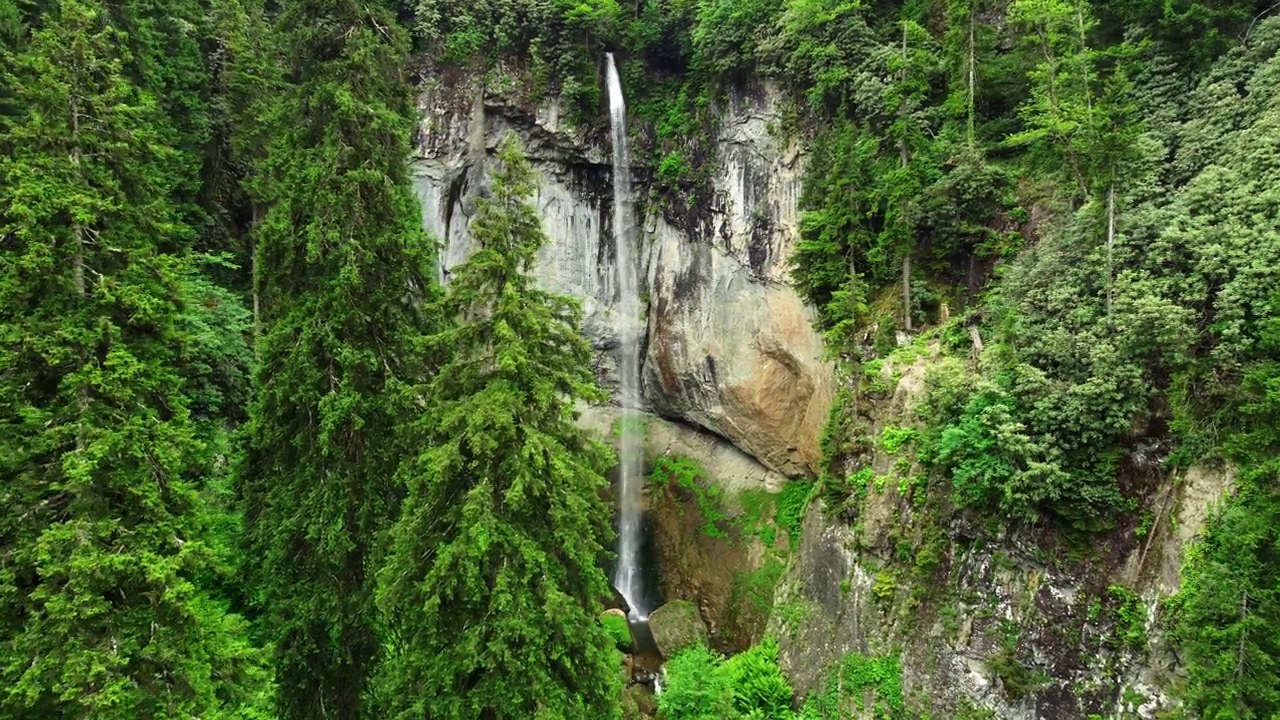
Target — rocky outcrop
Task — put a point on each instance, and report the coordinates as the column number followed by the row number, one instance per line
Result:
column 720, row 549
column 733, row 470
column 728, row 345
column 1019, row 625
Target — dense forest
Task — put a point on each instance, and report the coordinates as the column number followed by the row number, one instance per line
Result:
column 256, row 462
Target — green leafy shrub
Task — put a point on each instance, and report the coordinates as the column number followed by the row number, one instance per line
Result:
column 696, row 689
column 791, row 506
column 1131, row 618
column 701, row 685
column 672, row 169
column 618, row 630
column 760, row 692
column 860, row 682
column 893, row 439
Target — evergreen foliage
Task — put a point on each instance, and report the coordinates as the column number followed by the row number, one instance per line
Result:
column 246, row 77
column 496, row 560
column 105, row 535
column 1226, row 616
column 340, row 274
column 561, row 40
column 697, row 689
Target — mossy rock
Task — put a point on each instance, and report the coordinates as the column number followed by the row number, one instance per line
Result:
column 638, row 703
column 676, row 626
column 615, row 623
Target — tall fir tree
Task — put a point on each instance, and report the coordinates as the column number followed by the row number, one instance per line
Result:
column 910, row 68
column 497, row 557
column 341, row 267
column 164, row 39
column 104, row 537
column 247, row 78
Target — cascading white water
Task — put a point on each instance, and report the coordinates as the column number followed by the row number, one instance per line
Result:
column 627, row 576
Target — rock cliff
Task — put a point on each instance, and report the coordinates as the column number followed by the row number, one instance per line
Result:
column 728, row 346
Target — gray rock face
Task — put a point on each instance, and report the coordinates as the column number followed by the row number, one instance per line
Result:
column 677, row 626
column 728, row 346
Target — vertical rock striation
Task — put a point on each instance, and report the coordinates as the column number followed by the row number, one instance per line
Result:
column 728, row 345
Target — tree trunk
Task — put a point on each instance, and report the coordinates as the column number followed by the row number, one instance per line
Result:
column 973, row 69
column 80, row 238
column 1244, row 616
column 977, row 341
column 1083, row 49
column 906, row 159
column 253, row 266
column 906, row 289
column 77, row 253
column 1111, row 241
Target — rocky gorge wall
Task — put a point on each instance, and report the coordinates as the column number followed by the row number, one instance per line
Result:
column 728, row 346
column 982, row 624
column 985, row 623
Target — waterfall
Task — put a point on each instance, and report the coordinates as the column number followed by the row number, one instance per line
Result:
column 627, row 576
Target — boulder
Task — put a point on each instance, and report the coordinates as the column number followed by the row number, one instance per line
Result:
column 676, row 626
column 615, row 622
column 638, row 703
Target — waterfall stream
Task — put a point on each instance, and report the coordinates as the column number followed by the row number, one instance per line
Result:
column 627, row 577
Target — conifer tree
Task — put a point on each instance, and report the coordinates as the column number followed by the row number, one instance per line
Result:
column 164, row 38
column 340, row 268
column 248, row 78
column 905, row 95
column 498, row 554
column 10, row 23
column 1058, row 115
column 103, row 534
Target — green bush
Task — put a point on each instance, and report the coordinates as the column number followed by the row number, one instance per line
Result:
column 760, row 692
column 672, row 169
column 859, row 681
column 701, row 685
column 696, row 689
column 791, row 506
column 1131, row 618
column 893, row 439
